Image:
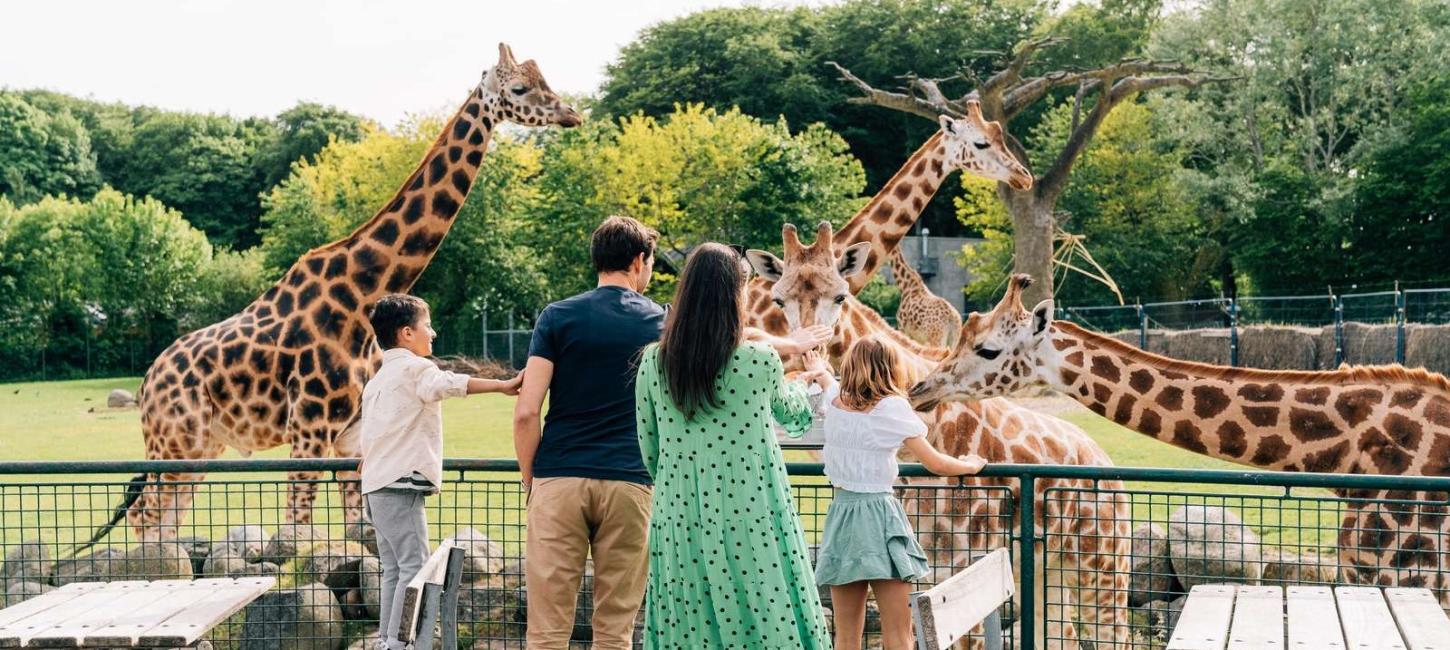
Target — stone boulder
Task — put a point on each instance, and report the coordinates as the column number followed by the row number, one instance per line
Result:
column 223, row 562
column 370, row 577
column 1310, row 568
column 154, row 561
column 490, row 608
column 119, row 399
column 28, row 561
column 247, row 541
column 289, row 540
column 358, row 586
column 198, row 549
column 363, row 533
column 306, row 618
column 1209, row 545
column 1150, row 569
column 21, row 591
column 102, row 564
column 481, row 556
column 328, row 562
column 368, row 641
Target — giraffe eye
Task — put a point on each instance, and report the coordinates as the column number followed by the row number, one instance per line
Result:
column 840, row 299
column 519, row 90
column 778, row 302
column 987, row 353
column 981, row 145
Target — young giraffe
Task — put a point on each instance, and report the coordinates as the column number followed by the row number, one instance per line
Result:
column 1361, row 420
column 923, row 315
column 290, row 367
column 971, row 144
column 1086, row 525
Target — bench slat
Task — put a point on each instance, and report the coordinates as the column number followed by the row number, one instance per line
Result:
column 1205, row 620
column 1367, row 622
column 19, row 633
column 193, row 622
column 1420, row 618
column 38, row 604
column 1258, row 619
column 950, row 610
column 127, row 630
column 433, row 572
column 1310, row 611
column 69, row 632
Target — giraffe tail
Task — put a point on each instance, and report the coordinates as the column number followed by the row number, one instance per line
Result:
column 134, row 488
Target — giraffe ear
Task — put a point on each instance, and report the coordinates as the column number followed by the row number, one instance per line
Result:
column 853, row 260
column 506, row 56
column 1041, row 316
column 766, row 265
column 948, row 125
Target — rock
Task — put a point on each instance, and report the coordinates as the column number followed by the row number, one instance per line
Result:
column 513, row 573
column 289, row 540
column 119, row 399
column 491, row 607
column 19, row 592
column 370, row 577
column 1211, row 545
column 481, row 556
column 306, row 618
column 198, row 549
column 369, row 641
column 224, row 562
column 1150, row 570
column 363, row 533
column 262, row 569
column 358, row 585
column 99, row 565
column 319, row 563
column 154, row 561
column 1155, row 623
column 1311, row 568
column 1175, row 610
column 247, row 541
column 26, row 561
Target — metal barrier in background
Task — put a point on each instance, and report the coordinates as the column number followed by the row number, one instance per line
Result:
column 1115, row 548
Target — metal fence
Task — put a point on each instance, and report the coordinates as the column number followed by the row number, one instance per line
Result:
column 1116, row 548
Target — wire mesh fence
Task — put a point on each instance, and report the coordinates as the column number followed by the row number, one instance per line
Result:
column 1111, row 562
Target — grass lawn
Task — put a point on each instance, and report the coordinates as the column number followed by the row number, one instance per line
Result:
column 69, row 421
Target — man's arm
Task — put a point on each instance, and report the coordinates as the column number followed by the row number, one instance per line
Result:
column 537, row 375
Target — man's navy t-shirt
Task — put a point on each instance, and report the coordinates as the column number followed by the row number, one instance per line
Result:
column 594, row 340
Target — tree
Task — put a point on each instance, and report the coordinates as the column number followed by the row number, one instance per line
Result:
column 302, row 132
column 43, row 154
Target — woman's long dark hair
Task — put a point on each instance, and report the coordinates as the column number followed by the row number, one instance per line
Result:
column 703, row 327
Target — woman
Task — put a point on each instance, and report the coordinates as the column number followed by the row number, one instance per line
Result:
column 727, row 559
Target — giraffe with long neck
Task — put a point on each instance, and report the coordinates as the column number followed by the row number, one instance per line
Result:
column 923, row 315
column 1087, row 530
column 971, row 144
column 1362, row 420
column 289, row 369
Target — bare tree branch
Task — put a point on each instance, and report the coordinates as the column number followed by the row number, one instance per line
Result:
column 1013, row 72
column 897, row 101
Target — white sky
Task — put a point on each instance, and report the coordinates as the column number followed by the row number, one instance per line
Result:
column 259, row 57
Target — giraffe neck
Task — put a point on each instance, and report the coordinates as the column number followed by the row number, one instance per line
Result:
column 907, row 279
column 858, row 321
column 388, row 252
column 1361, row 420
column 894, row 209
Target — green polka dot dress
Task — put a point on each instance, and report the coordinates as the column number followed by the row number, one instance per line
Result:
column 728, row 565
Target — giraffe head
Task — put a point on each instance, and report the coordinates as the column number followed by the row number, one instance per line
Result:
column 517, row 92
column 979, row 147
column 810, row 284
column 998, row 352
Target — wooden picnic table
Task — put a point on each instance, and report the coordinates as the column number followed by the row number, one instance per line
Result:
column 123, row 614
column 1243, row 617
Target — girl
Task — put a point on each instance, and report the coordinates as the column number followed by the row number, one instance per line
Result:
column 868, row 541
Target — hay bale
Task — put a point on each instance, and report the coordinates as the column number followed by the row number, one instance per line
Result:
column 1366, row 345
column 1428, row 347
column 1201, row 345
column 1273, row 347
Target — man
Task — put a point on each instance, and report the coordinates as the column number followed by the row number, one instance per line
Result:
column 588, row 490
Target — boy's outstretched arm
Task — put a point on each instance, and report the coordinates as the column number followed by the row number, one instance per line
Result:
column 508, row 386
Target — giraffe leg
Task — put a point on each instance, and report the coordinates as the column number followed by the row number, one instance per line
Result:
column 349, row 486
column 181, row 431
column 1054, row 601
column 302, row 487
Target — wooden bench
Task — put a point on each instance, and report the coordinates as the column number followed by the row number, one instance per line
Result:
column 950, row 610
column 161, row 613
column 1243, row 617
column 432, row 592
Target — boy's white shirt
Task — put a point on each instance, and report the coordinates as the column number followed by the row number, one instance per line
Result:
column 401, row 426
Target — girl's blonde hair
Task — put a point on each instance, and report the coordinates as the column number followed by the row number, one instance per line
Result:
column 868, row 374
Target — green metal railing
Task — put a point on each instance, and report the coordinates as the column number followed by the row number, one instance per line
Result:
column 1114, row 548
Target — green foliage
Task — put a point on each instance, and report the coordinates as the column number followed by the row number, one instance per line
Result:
column 879, row 296
column 302, row 132
column 43, row 154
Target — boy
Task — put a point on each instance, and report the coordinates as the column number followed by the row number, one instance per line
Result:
column 402, row 443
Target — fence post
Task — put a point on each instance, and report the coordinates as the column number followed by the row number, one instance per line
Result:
column 511, row 337
column 1338, row 329
column 484, row 324
column 1233, row 332
column 1142, row 328
column 1027, row 532
column 1399, row 325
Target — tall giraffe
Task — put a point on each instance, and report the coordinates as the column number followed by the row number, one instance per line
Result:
column 1086, row 524
column 1362, row 420
column 971, row 144
column 923, row 315
column 290, row 367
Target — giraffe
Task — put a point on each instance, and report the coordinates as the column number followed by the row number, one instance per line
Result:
column 1358, row 420
column 923, row 315
column 970, row 143
column 289, row 368
column 1086, row 525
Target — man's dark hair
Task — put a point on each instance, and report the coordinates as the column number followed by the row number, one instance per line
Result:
column 392, row 313
column 619, row 240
